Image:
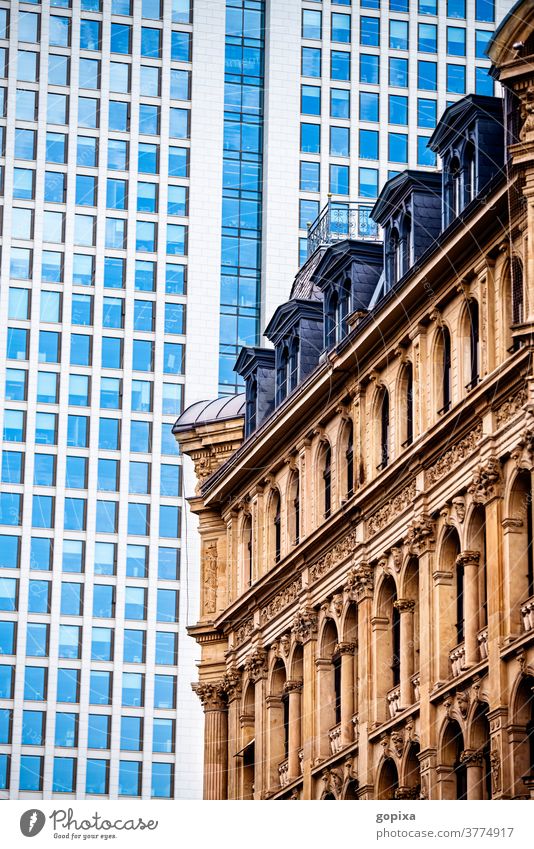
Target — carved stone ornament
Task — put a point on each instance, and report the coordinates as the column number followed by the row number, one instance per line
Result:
column 458, row 504
column 210, row 578
column 211, row 695
column 231, row 683
column 383, row 517
column 455, row 455
column 385, row 743
column 281, row 600
column 462, row 702
column 285, row 644
column 523, row 453
column 472, row 757
column 304, row 624
column 256, row 664
column 495, row 766
column 359, row 582
column 512, row 405
column 397, row 741
column 244, row 631
column 420, row 535
column 396, row 557
column 294, row 686
column 527, row 114
column 404, row 605
column 339, row 552
column 409, row 793
column 344, row 648
column 486, row 481
column 468, row 558
column 337, row 603
column 333, row 781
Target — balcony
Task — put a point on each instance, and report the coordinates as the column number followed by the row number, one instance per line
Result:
column 457, row 659
column 393, row 700
column 338, row 221
column 335, row 739
column 527, row 614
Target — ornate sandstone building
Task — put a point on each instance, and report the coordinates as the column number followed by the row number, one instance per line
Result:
column 365, row 510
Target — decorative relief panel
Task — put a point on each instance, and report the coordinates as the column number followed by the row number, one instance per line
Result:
column 383, row 517
column 341, row 550
column 511, row 406
column 454, row 456
column 281, row 600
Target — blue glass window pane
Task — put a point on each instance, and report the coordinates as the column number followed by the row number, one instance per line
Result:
column 129, row 778
column 166, row 648
column 64, row 775
column 162, row 780
column 134, row 646
column 68, row 685
column 98, row 731
column 31, row 772
column 100, row 688
column 97, row 776
column 131, row 733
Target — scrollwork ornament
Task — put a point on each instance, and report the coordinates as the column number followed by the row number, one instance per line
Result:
column 420, row 535
column 486, row 481
column 304, row 625
column 359, row 582
column 211, row 694
column 256, row 664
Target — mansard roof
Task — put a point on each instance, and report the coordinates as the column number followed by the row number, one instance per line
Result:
column 459, row 115
column 341, row 255
column 250, row 357
column 287, row 314
column 400, row 187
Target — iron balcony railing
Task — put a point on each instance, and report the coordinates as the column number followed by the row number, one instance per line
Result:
column 338, row 221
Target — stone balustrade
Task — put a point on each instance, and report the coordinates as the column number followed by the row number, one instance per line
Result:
column 527, row 613
column 394, row 701
column 283, row 772
column 457, row 659
column 335, row 739
column 483, row 643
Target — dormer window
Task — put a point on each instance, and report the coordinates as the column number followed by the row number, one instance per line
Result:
column 252, row 403
column 282, row 374
column 331, row 320
column 294, row 363
column 343, row 310
column 454, row 188
column 395, row 256
column 470, row 173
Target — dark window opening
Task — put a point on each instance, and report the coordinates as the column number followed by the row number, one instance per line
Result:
column 384, row 432
column 474, row 343
column 349, row 456
column 327, row 481
column 336, row 663
column 395, row 660
column 460, row 627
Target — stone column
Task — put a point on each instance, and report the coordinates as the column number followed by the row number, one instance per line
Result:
column 470, row 560
column 232, row 688
column 406, row 609
column 325, row 712
column 215, row 739
column 474, row 763
column 346, row 651
column 274, row 722
column 294, row 690
column 304, row 628
column 256, row 669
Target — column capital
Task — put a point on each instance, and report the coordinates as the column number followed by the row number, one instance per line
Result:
column 304, row 625
column 486, row 483
column 211, row 695
column 404, row 605
column 344, row 648
column 231, row 684
column 471, row 757
column 293, row 686
column 468, row 558
column 256, row 664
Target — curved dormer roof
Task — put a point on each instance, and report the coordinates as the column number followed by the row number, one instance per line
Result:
column 459, row 116
column 205, row 412
column 505, row 48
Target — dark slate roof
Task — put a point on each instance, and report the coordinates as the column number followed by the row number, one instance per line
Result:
column 204, row 412
column 459, row 115
column 286, row 314
column 399, row 187
column 303, row 287
column 250, row 357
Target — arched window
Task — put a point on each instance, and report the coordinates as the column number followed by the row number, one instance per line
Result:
column 408, row 413
column 276, row 528
column 294, row 509
column 294, row 363
column 474, row 343
column 282, row 373
column 327, row 480
column 344, row 309
column 247, row 552
column 396, row 642
column 460, row 614
column 518, row 296
column 453, row 773
column 406, row 244
column 454, row 188
column 395, row 256
column 384, row 431
column 252, row 402
column 444, row 355
column 349, row 458
column 331, row 320
column 336, row 663
column 470, row 188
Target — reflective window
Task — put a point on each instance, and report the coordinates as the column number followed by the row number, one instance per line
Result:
column 68, row 685
column 97, row 776
column 102, row 643
column 71, row 598
column 131, row 733
column 162, row 780
column 31, row 772
column 134, row 646
column 66, row 729
column 98, row 731
column 135, row 603
column 129, row 778
column 166, row 648
column 100, row 688
column 133, row 689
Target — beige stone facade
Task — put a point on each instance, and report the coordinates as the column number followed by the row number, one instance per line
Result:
column 367, row 626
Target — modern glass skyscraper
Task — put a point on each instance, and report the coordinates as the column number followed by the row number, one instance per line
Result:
column 158, row 155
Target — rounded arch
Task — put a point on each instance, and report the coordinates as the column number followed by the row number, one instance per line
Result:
column 453, row 772
column 274, row 526
column 324, row 479
column 296, row 663
column 293, row 507
column 522, row 718
column 246, row 548
column 328, row 638
column 405, row 404
column 469, row 336
column 381, row 431
column 411, row 769
column 386, row 640
column 246, row 763
column 442, row 368
column 478, row 738
column 387, row 781
column 277, row 677
column 345, row 457
column 519, row 542
column 476, row 541
column 450, row 618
